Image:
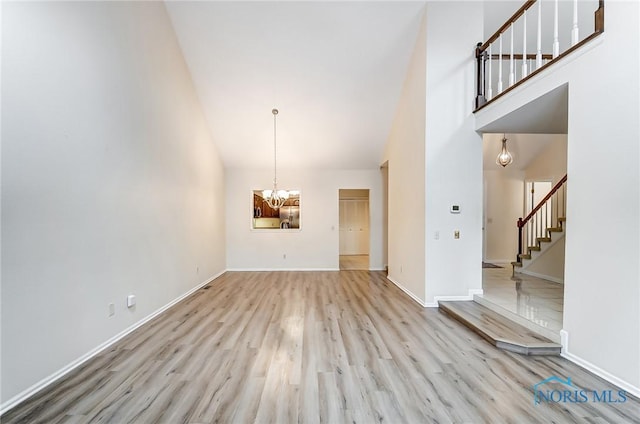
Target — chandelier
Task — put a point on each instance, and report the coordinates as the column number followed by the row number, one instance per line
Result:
column 504, row 158
column 275, row 198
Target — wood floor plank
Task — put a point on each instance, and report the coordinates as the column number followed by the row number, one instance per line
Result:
column 310, row 347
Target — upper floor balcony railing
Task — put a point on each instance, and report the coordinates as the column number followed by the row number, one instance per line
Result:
column 536, row 36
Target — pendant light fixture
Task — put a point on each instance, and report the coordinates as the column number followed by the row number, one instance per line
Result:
column 275, row 198
column 504, row 158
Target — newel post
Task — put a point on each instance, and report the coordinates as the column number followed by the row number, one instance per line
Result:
column 520, row 225
column 480, row 92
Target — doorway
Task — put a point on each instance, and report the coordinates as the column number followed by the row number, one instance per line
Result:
column 525, row 294
column 354, row 229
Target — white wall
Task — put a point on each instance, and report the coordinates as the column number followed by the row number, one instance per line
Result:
column 602, row 277
column 551, row 163
column 385, row 214
column 550, row 263
column 503, row 206
column 111, row 184
column 453, row 151
column 316, row 245
column 404, row 152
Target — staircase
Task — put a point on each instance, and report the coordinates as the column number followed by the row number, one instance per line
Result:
column 540, row 244
column 536, row 231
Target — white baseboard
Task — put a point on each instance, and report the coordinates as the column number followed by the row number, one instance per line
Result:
column 411, row 295
column 624, row 385
column 473, row 292
column 538, row 275
column 9, row 404
column 469, row 296
column 279, row 269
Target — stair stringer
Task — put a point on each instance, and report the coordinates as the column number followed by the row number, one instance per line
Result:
column 535, row 255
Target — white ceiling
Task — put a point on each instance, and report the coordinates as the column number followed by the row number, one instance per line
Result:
column 334, row 70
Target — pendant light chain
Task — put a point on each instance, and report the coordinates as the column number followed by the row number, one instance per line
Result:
column 275, row 198
column 275, row 146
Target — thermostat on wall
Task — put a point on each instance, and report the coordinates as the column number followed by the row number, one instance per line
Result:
column 455, row 208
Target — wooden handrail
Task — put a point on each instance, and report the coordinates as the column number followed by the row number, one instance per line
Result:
column 506, row 25
column 598, row 27
column 522, row 222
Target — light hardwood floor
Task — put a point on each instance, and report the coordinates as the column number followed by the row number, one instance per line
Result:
column 331, row 347
column 354, row 262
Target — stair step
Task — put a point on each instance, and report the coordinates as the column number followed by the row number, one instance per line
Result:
column 518, row 264
column 524, row 256
column 562, row 219
column 499, row 330
column 543, row 239
column 554, row 229
column 536, row 248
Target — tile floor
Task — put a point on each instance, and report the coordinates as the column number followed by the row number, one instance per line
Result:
column 533, row 299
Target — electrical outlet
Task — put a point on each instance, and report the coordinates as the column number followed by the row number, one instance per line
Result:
column 131, row 301
column 456, row 234
column 112, row 309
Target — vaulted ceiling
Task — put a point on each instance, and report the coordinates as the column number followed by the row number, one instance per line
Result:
column 334, row 70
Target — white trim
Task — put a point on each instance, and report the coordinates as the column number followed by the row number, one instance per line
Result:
column 469, row 296
column 624, row 385
column 538, row 275
column 9, row 404
column 473, row 292
column 279, row 269
column 564, row 340
column 411, row 295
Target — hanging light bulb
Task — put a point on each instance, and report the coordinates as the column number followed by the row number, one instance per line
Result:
column 504, row 158
column 275, row 198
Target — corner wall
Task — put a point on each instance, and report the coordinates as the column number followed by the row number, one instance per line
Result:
column 111, row 184
column 453, row 152
column 405, row 155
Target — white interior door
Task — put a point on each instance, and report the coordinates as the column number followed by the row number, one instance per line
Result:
column 354, row 227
